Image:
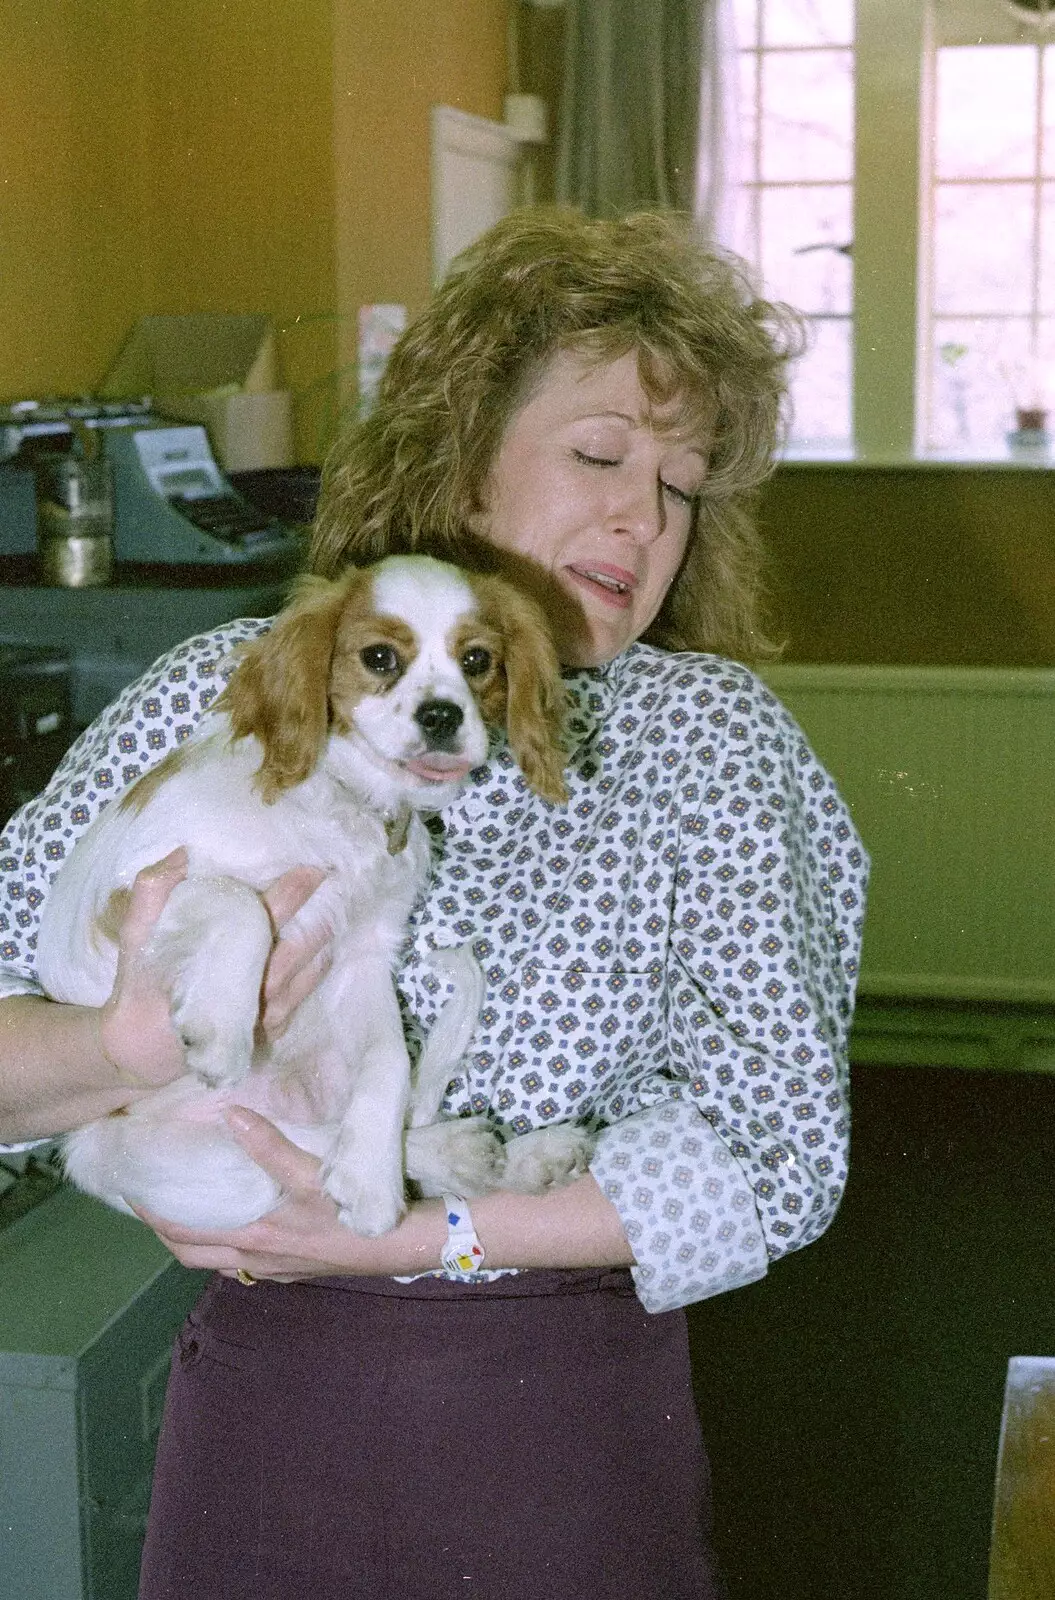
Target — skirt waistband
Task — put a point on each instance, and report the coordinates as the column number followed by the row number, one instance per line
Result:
column 537, row 1281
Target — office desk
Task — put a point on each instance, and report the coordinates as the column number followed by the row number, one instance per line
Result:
column 113, row 633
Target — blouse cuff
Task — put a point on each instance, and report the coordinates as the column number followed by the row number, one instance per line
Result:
column 686, row 1207
column 12, row 983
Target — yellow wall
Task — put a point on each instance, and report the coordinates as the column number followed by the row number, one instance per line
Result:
column 391, row 65
column 241, row 156
column 180, row 155
column 73, row 188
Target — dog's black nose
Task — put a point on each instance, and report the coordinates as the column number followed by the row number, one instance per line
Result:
column 439, row 719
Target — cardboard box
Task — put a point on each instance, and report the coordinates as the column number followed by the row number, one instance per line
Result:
column 217, row 368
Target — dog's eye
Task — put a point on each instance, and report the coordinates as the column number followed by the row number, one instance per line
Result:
column 476, row 661
column 380, row 658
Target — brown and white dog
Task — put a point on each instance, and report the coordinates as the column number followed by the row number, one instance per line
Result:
column 366, row 703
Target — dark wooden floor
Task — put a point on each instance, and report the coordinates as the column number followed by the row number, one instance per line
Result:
column 851, row 1401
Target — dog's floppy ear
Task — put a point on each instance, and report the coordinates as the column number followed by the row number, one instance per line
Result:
column 535, row 696
column 279, row 691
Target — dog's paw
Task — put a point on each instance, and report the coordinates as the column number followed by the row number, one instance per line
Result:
column 366, row 1206
column 463, row 1155
column 219, row 1056
column 546, row 1158
column 209, row 949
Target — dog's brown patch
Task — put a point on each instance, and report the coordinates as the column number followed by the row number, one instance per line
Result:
column 108, row 923
column 489, row 688
column 279, row 692
column 359, row 628
column 524, row 690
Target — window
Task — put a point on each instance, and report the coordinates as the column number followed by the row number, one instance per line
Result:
column 897, row 169
column 990, row 333
column 795, row 170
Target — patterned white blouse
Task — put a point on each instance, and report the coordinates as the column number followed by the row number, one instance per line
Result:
column 670, row 956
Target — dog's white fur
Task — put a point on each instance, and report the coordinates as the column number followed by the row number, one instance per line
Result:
column 321, row 752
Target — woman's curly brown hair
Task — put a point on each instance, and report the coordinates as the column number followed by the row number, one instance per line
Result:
column 545, row 281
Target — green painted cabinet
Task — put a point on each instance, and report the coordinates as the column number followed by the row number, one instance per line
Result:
column 89, row 1304
column 950, row 775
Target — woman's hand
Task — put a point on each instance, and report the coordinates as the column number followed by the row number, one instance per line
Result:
column 135, row 1028
column 296, row 964
column 301, row 1238
column 573, row 1226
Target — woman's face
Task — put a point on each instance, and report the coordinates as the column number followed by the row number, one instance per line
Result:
column 596, row 486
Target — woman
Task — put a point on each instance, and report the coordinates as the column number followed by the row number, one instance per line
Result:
column 670, row 956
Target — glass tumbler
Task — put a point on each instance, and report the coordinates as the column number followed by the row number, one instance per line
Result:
column 75, row 520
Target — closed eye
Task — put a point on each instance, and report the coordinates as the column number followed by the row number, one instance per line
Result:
column 682, row 496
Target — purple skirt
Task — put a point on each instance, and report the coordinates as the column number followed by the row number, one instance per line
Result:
column 361, row 1439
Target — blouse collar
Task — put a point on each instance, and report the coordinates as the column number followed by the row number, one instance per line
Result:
column 591, row 691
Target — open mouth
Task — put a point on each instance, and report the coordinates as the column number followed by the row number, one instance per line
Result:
column 428, row 766
column 614, row 585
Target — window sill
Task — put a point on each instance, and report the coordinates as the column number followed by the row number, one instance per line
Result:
column 1030, row 459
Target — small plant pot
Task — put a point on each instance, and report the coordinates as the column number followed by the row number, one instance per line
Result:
column 1030, row 433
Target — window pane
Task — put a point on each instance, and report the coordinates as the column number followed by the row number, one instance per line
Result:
column 805, row 235
column 747, row 107
column 1047, row 160
column 820, row 387
column 743, row 229
column 795, row 167
column 987, row 107
column 976, row 371
column 807, row 115
column 808, row 22
column 1046, row 288
column 983, row 248
column 1044, row 371
column 746, row 22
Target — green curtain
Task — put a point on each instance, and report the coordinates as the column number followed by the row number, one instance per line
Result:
column 631, row 105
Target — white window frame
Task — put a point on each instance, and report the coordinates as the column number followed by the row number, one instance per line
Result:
column 894, row 40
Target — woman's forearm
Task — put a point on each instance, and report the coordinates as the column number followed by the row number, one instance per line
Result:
column 570, row 1227
column 302, row 1238
column 62, row 1066
column 54, row 1072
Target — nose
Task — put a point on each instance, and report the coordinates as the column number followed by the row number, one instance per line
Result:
column 439, row 720
column 639, row 510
